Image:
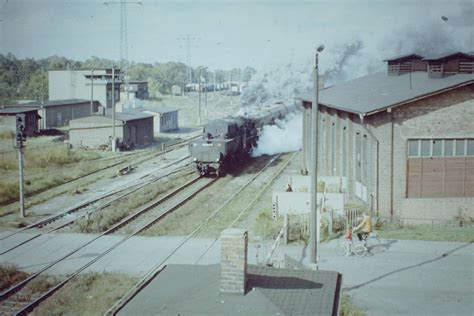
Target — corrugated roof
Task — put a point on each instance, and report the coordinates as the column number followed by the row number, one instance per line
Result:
column 378, row 91
column 129, row 116
column 65, row 102
column 162, row 110
column 194, row 290
column 15, row 110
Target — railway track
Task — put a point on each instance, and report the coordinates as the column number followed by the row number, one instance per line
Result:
column 17, row 301
column 86, row 208
column 152, row 273
column 148, row 154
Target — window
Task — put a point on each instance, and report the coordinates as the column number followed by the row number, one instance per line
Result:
column 333, row 149
column 425, row 147
column 358, row 156
column 437, row 147
column 440, row 147
column 460, row 146
column 344, row 151
column 448, row 147
column 470, row 147
column 413, row 146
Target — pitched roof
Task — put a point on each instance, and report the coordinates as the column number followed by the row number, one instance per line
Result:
column 447, row 55
column 194, row 289
column 404, row 57
column 371, row 93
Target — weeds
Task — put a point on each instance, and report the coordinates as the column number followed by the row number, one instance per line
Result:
column 349, row 308
column 266, row 226
column 463, row 219
column 120, row 209
column 89, row 294
column 10, row 275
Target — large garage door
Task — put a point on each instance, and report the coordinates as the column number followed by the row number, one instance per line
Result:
column 440, row 168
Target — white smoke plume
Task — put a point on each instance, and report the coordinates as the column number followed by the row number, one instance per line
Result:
column 283, row 82
column 285, row 136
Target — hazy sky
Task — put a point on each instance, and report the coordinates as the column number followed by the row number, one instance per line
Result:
column 235, row 33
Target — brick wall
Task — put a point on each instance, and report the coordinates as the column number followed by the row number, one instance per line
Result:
column 448, row 115
column 234, row 261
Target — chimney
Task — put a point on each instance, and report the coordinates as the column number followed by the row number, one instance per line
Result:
column 234, row 261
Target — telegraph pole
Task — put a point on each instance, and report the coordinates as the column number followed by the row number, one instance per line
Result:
column 92, row 91
column 199, row 92
column 113, row 110
column 188, row 38
column 123, row 38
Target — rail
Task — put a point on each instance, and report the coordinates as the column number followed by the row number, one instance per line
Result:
column 153, row 272
column 8, row 293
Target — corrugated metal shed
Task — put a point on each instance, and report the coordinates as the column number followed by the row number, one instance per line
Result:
column 375, row 92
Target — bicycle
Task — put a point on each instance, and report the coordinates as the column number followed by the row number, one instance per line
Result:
column 360, row 249
column 347, row 248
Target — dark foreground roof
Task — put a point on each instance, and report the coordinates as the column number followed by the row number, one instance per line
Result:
column 375, row 92
column 194, row 290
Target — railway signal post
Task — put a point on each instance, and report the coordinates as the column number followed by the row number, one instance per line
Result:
column 20, row 138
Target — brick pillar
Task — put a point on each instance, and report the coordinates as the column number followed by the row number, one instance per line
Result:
column 233, row 261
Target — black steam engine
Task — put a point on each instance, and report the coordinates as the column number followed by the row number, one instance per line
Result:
column 226, row 142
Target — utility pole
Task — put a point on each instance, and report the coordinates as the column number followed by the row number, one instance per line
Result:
column 42, row 84
column 20, row 138
column 92, row 91
column 124, row 39
column 113, row 110
column 199, row 92
column 188, row 38
column 314, row 163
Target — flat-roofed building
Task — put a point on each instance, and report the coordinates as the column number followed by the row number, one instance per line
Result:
column 165, row 118
column 131, row 129
column 84, row 84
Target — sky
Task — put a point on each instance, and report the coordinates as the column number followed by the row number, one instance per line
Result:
column 229, row 34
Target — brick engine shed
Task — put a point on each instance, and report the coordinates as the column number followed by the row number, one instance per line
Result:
column 403, row 139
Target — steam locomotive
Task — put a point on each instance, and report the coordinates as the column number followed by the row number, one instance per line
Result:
column 229, row 141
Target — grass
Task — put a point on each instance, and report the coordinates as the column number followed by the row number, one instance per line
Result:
column 426, row 232
column 265, row 226
column 106, row 218
column 349, row 308
column 89, row 294
column 44, row 167
column 10, row 275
